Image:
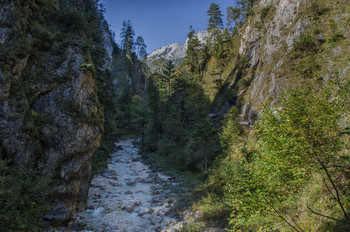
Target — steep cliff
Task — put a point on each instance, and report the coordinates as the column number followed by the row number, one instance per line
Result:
column 287, row 42
column 52, row 54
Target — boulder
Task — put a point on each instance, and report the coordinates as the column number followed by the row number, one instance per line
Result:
column 58, row 215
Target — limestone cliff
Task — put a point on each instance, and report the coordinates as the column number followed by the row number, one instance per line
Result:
column 287, row 41
column 50, row 117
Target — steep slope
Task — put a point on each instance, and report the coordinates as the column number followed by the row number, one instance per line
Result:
column 51, row 120
column 284, row 44
column 286, row 70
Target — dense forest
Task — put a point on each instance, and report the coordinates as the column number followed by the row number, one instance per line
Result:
column 288, row 168
column 257, row 116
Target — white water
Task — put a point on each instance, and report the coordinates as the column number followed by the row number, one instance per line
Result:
column 120, row 200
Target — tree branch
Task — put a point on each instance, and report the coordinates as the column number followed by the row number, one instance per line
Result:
column 334, row 187
column 312, row 211
column 280, row 216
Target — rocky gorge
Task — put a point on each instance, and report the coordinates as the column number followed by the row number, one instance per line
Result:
column 130, row 196
column 68, row 92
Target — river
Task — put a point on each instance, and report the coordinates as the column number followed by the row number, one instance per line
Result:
column 129, row 196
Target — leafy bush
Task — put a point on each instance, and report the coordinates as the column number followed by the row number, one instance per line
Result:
column 24, row 199
column 264, row 12
column 99, row 161
column 336, row 37
column 306, row 43
column 243, row 83
column 318, row 8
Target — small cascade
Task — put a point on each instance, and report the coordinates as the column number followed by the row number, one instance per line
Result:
column 129, row 196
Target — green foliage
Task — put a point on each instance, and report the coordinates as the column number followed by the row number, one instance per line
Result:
column 87, row 67
column 177, row 126
column 194, row 57
column 141, row 48
column 306, row 43
column 239, row 13
column 73, row 20
column 243, row 83
column 318, row 8
column 215, row 17
column 99, row 159
column 264, row 12
column 298, row 142
column 231, row 133
column 23, row 199
column 192, row 227
column 127, row 37
column 308, row 67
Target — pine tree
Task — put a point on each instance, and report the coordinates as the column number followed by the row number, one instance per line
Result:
column 168, row 74
column 141, row 47
column 215, row 17
column 127, row 37
column 193, row 46
column 239, row 13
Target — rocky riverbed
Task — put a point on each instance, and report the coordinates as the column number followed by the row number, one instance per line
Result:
column 129, row 196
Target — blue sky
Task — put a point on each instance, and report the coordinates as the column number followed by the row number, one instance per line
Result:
column 161, row 22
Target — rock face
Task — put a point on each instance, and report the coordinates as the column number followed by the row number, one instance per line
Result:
column 175, row 52
column 267, row 46
column 50, row 117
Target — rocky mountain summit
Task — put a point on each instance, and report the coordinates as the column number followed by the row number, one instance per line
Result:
column 175, row 52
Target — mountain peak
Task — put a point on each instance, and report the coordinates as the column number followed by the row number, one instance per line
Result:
column 175, row 52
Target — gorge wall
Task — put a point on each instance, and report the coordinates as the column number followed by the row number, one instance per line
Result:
column 51, row 121
column 288, row 41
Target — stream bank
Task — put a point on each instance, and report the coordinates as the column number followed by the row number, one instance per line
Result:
column 129, row 196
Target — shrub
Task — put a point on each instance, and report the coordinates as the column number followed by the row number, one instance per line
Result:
column 318, row 8
column 24, row 199
column 264, row 12
column 306, row 43
column 243, row 83
column 99, row 161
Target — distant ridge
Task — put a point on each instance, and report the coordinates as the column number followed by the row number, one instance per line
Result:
column 175, row 52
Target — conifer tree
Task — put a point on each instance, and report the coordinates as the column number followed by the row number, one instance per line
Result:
column 193, row 46
column 127, row 37
column 168, row 74
column 239, row 13
column 215, row 17
column 141, row 47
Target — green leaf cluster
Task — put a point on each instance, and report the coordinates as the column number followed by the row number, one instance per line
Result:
column 24, row 199
column 290, row 173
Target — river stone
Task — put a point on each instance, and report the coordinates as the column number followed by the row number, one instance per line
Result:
column 147, row 180
column 171, row 213
column 95, row 193
column 156, row 220
column 58, row 215
column 131, row 182
column 158, row 228
column 131, row 205
column 156, row 200
column 142, row 211
column 166, row 192
column 156, row 187
column 115, row 183
column 110, row 172
column 155, row 192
